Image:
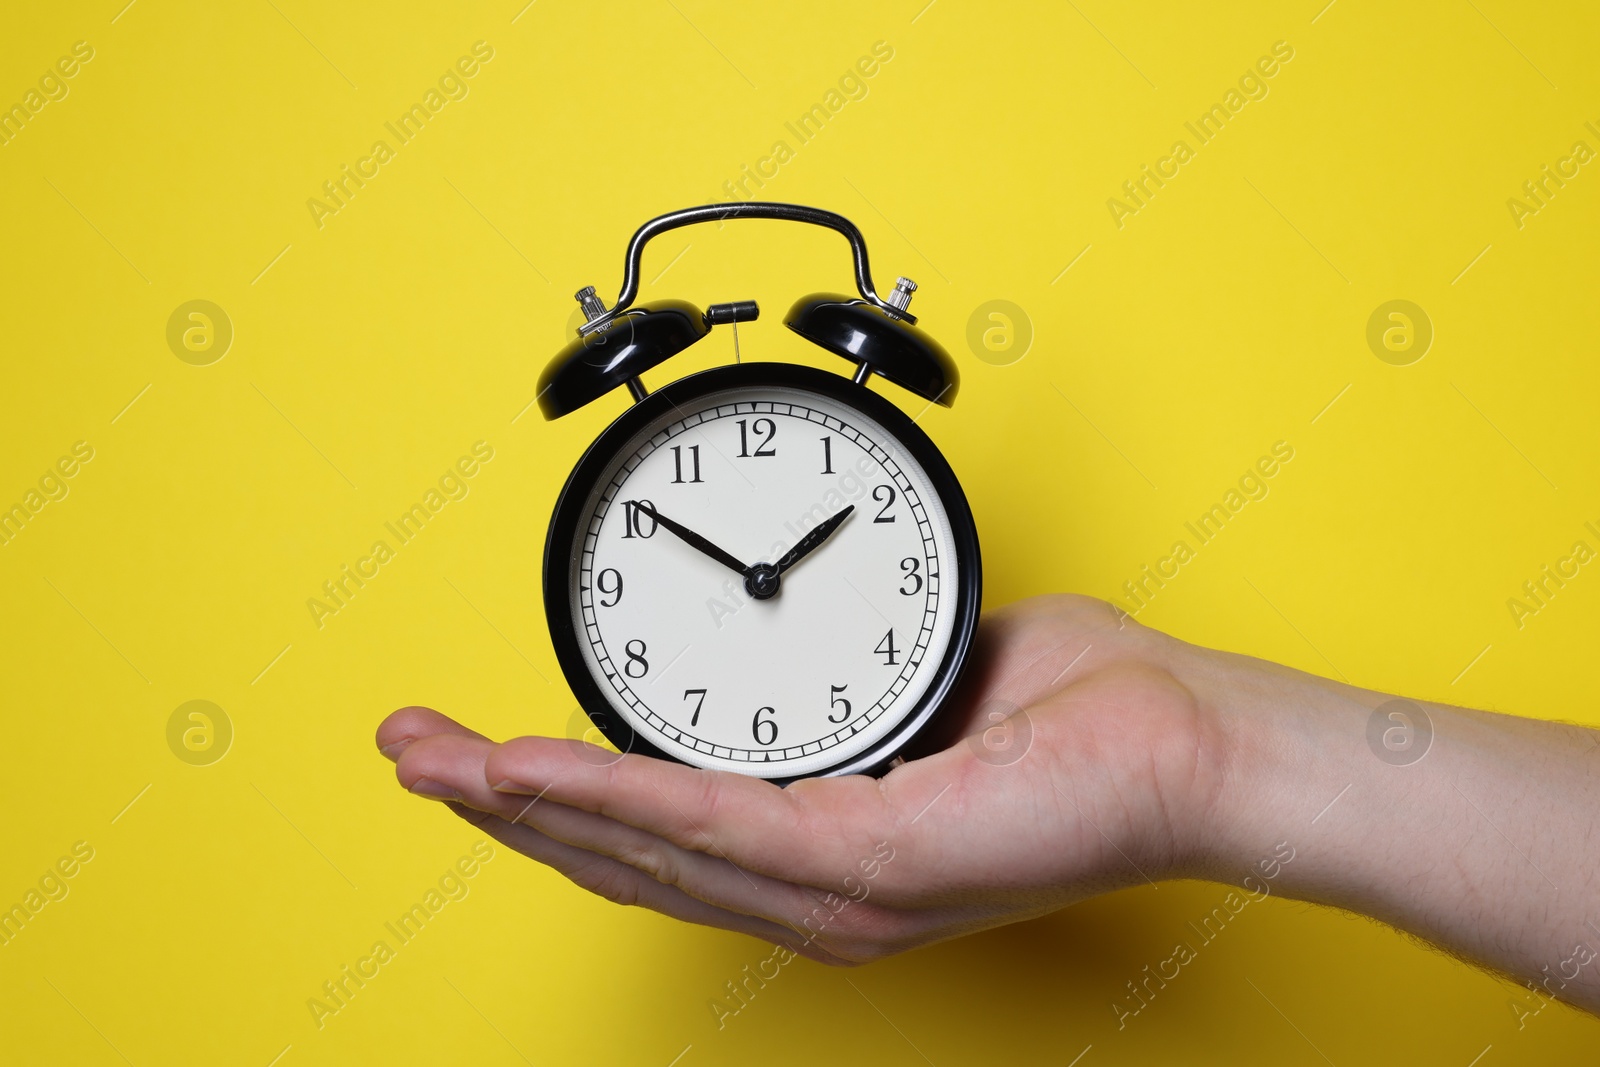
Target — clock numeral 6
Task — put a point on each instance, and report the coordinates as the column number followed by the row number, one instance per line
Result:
column 910, row 565
column 887, row 650
column 758, row 722
column 766, row 435
column 837, row 700
column 888, row 502
column 614, row 591
column 701, row 693
column 631, row 526
column 635, row 660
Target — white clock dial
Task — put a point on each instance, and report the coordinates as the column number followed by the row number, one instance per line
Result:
column 777, row 687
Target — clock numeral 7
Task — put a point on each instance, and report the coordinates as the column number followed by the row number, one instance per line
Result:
column 687, row 693
column 887, row 650
column 677, row 464
column 837, row 700
column 758, row 722
column 631, row 526
column 766, row 436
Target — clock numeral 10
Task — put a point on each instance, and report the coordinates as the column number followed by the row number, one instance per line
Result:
column 887, row 650
column 631, row 526
column 687, row 693
column 757, row 723
column 766, row 436
column 677, row 464
column 837, row 700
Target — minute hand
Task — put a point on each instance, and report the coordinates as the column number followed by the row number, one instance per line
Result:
column 812, row 540
column 691, row 538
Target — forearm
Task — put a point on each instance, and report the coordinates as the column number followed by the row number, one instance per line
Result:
column 1484, row 844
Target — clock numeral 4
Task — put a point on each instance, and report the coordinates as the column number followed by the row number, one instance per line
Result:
column 910, row 565
column 757, row 723
column 631, row 515
column 887, row 650
column 844, row 716
column 677, row 465
column 701, row 693
column 615, row 589
column 887, row 501
column 766, row 436
column 637, row 666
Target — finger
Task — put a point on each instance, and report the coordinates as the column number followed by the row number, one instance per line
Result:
column 815, row 832
column 625, row 885
column 402, row 727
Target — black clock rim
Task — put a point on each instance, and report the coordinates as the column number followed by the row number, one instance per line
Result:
column 561, row 543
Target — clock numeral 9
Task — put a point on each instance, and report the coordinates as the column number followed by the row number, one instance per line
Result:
column 888, row 502
column 766, row 435
column 887, row 650
column 635, row 660
column 614, row 591
column 677, row 464
column 631, row 526
column 910, row 565
column 687, row 693
column 837, row 700
column 758, row 722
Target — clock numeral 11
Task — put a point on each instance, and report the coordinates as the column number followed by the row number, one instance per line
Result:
column 677, row 464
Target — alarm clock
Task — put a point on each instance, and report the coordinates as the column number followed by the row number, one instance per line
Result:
column 763, row 568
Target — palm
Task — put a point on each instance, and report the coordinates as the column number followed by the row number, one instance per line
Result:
column 1072, row 747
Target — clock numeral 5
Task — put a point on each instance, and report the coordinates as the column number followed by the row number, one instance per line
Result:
column 677, row 465
column 910, row 565
column 758, row 722
column 888, row 502
column 635, row 660
column 837, row 700
column 631, row 526
column 614, row 591
column 687, row 693
column 887, row 650
column 766, row 435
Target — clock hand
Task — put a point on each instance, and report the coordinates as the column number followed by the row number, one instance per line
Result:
column 691, row 538
column 812, row 540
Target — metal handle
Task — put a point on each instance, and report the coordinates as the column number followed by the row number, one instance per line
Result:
column 751, row 209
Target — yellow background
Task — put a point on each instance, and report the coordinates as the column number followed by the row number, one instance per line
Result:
column 370, row 353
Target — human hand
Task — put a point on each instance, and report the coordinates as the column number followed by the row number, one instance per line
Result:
column 1101, row 777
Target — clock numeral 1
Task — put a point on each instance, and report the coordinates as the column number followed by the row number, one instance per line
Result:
column 766, row 436
column 614, row 592
column 827, row 455
column 887, row 650
column 910, row 565
column 837, row 700
column 687, row 693
column 758, row 722
column 677, row 464
column 635, row 659
column 888, row 502
column 631, row 526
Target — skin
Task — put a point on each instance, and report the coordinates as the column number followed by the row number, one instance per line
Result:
column 1130, row 756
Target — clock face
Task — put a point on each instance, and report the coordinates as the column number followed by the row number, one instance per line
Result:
column 707, row 668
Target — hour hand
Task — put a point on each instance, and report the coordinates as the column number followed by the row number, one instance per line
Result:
column 690, row 538
column 813, row 539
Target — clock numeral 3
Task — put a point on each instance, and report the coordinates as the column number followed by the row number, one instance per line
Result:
column 910, row 565
column 888, row 502
column 837, row 700
column 887, row 650
column 614, row 591
column 677, row 465
column 766, row 436
column 635, row 660
column 687, row 693
column 631, row 526
column 758, row 722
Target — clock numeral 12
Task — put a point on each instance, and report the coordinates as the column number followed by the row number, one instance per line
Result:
column 766, row 436
column 758, row 722
column 631, row 526
column 677, row 464
column 887, row 650
column 687, row 693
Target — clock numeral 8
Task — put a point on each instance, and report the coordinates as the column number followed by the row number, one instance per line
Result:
column 615, row 589
column 758, row 722
column 635, row 659
column 631, row 525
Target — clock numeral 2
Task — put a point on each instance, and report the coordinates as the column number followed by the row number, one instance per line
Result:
column 614, row 592
column 887, row 503
column 687, row 693
column 635, row 659
column 677, row 464
column 758, row 722
column 887, row 650
column 837, row 700
column 631, row 526
column 766, row 436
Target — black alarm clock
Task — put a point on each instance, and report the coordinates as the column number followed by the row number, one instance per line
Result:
column 763, row 568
